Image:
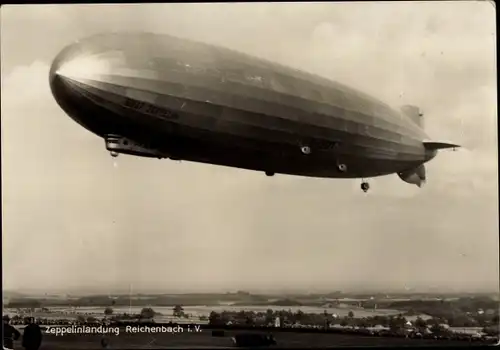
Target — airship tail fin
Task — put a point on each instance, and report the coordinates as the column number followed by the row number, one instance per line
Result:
column 417, row 176
column 434, row 146
column 414, row 176
column 414, row 113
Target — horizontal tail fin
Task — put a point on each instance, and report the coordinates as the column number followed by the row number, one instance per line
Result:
column 434, row 146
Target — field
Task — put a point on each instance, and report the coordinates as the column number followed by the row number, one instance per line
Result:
column 204, row 339
column 205, row 310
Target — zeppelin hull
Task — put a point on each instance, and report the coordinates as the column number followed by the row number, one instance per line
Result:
column 202, row 103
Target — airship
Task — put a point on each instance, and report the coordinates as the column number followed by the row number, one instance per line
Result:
column 160, row 96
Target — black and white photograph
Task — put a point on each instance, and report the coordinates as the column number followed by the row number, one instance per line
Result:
column 242, row 175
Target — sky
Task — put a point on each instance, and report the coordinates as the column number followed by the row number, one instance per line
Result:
column 74, row 219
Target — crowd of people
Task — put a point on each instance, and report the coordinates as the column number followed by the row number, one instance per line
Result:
column 387, row 326
column 31, row 337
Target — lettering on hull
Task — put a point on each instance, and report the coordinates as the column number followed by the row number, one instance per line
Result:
column 150, row 109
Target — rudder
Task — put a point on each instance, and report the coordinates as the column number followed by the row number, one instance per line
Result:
column 414, row 113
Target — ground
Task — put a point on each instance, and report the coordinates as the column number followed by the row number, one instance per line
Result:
column 204, row 339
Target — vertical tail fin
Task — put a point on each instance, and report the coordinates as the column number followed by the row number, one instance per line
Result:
column 414, row 176
column 414, row 113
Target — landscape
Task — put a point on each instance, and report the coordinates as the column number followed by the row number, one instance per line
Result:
column 410, row 319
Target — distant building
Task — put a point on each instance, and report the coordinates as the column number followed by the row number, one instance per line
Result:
column 490, row 312
column 467, row 330
column 277, row 322
column 378, row 328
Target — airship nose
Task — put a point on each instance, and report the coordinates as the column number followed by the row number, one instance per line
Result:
column 59, row 83
column 77, row 69
column 70, row 77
